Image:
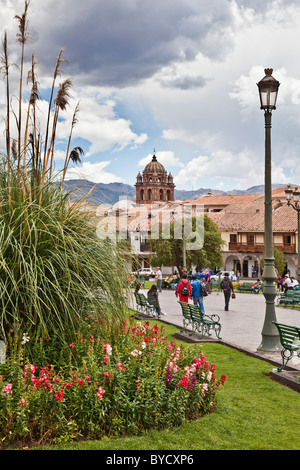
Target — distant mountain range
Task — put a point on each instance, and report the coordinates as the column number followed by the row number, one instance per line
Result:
column 110, row 193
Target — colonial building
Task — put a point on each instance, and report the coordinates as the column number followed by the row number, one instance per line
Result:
column 154, row 185
column 239, row 218
column 242, row 229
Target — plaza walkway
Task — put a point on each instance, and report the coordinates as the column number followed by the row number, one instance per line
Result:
column 241, row 325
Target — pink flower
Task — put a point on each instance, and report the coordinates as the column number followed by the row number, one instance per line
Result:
column 22, row 402
column 108, row 349
column 7, row 389
column 100, row 393
column 106, row 375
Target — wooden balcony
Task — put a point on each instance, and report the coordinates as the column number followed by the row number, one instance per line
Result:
column 286, row 248
column 260, row 247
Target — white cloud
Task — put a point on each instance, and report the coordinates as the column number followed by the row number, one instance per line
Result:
column 99, row 123
column 166, row 158
column 183, row 71
column 244, row 169
column 93, row 172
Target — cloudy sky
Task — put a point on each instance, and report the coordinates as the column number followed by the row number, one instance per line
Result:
column 177, row 76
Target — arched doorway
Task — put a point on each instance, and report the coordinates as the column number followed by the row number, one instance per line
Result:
column 245, row 272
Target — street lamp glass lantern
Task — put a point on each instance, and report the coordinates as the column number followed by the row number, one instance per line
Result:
column 288, row 193
column 268, row 90
column 296, row 195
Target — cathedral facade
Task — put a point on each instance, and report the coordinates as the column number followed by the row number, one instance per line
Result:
column 155, row 185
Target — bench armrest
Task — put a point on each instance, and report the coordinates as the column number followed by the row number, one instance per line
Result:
column 214, row 317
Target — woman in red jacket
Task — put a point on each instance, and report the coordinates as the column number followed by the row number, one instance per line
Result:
column 181, row 289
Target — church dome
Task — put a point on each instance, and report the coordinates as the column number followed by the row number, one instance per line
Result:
column 154, row 185
column 154, row 166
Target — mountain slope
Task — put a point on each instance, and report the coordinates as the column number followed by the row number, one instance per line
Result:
column 110, row 193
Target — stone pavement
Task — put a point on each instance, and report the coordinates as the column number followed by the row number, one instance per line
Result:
column 241, row 325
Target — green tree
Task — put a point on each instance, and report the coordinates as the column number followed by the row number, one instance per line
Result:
column 169, row 252
column 279, row 262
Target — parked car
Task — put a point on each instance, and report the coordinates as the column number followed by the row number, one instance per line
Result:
column 220, row 275
column 145, row 272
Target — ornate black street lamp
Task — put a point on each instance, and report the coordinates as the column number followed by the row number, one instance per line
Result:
column 268, row 89
column 295, row 197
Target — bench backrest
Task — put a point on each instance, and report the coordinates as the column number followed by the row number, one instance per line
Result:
column 289, row 293
column 185, row 309
column 287, row 334
column 141, row 299
column 195, row 312
column 138, row 298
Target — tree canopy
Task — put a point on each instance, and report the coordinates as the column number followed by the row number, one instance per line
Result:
column 169, row 252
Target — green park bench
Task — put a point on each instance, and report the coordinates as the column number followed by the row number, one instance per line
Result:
column 187, row 318
column 291, row 298
column 215, row 285
column 289, row 337
column 198, row 321
column 205, row 323
column 144, row 307
column 245, row 287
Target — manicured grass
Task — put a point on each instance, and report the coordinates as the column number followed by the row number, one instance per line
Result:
column 253, row 413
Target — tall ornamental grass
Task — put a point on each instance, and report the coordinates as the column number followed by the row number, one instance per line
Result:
column 53, row 268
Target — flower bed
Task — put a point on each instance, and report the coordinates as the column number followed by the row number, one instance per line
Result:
column 114, row 385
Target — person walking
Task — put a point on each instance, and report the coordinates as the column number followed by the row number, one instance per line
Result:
column 207, row 280
column 184, row 289
column 227, row 287
column 197, row 293
column 158, row 278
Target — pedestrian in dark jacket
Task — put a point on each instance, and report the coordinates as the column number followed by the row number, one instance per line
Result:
column 227, row 287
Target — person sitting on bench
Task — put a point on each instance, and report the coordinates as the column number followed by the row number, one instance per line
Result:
column 256, row 287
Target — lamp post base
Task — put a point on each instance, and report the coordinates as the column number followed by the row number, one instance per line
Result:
column 270, row 337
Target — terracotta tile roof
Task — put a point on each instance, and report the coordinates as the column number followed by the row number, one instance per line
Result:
column 224, row 200
column 250, row 218
column 285, row 219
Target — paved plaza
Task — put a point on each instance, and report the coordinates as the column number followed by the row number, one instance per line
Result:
column 241, row 325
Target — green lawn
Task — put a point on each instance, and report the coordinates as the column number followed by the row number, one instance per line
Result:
column 253, row 413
